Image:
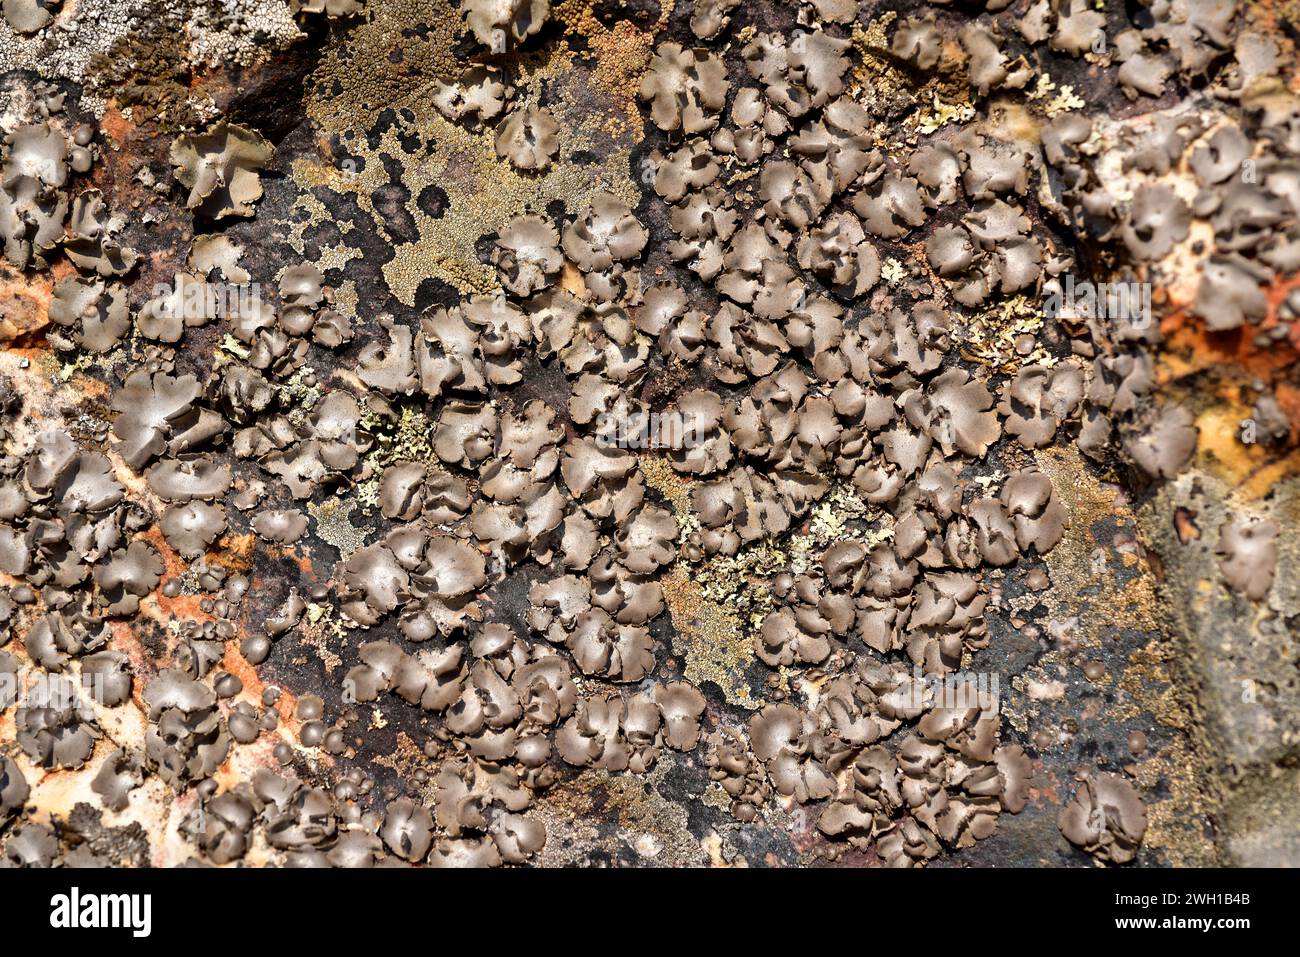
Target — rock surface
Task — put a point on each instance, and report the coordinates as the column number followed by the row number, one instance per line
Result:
column 642, row 433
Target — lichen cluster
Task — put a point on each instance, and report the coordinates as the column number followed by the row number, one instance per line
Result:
column 555, row 399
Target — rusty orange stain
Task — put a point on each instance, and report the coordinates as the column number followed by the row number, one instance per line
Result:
column 142, row 662
column 1190, row 347
column 175, row 565
column 234, row 662
column 303, row 562
column 182, row 606
column 24, row 305
column 1288, row 399
column 1185, row 524
column 115, row 124
column 1252, row 469
column 236, row 552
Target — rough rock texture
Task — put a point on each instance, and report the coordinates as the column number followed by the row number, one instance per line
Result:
column 649, row 433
